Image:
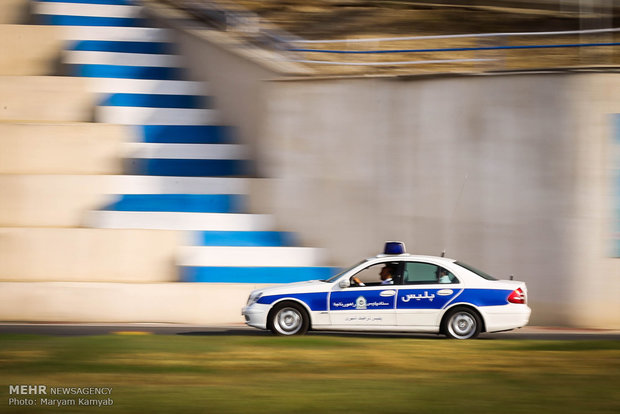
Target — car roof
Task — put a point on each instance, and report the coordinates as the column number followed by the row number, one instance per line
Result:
column 413, row 257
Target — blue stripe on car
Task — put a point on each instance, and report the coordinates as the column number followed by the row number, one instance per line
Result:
column 372, row 299
column 429, row 298
column 424, row 298
column 315, row 301
column 485, row 297
column 407, row 299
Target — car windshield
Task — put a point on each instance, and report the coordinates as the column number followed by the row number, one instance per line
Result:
column 333, row 278
column 476, row 271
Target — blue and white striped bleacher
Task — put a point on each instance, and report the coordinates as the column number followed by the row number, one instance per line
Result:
column 183, row 170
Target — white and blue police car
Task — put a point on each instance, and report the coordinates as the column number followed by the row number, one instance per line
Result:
column 394, row 292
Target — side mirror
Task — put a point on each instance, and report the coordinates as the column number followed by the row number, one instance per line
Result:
column 344, row 283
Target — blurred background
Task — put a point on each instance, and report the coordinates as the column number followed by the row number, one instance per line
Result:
column 162, row 158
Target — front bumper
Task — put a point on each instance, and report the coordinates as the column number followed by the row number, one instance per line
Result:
column 256, row 315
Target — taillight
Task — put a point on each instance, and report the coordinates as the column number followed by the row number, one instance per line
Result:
column 517, row 296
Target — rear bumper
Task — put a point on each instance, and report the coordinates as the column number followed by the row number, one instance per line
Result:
column 507, row 317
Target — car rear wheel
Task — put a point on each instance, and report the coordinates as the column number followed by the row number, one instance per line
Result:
column 462, row 323
column 289, row 319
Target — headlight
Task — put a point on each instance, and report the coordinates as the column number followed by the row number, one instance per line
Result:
column 254, row 297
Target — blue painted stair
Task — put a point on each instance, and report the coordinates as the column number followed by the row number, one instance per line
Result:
column 192, row 173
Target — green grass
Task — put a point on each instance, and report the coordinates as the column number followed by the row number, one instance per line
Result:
column 317, row 374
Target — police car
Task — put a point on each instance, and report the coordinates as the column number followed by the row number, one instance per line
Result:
column 396, row 292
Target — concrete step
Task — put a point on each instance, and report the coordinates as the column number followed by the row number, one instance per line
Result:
column 122, row 34
column 186, row 159
column 127, row 115
column 187, row 203
column 244, row 256
column 185, row 134
column 46, row 98
column 86, row 14
column 87, row 57
column 134, row 184
column 29, row 50
column 68, row 20
column 126, row 72
column 147, row 86
column 254, row 274
column 185, row 151
column 14, row 11
column 139, row 184
column 83, row 8
column 198, row 303
column 120, row 46
column 239, row 238
column 87, row 255
column 156, row 100
column 110, row 2
column 62, row 148
column 187, row 167
column 47, row 200
column 64, row 200
column 179, row 221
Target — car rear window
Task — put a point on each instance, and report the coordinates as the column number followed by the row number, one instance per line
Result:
column 480, row 273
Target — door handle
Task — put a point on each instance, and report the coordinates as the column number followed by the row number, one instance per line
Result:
column 387, row 293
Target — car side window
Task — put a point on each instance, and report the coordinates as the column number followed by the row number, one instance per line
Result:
column 417, row 273
column 388, row 273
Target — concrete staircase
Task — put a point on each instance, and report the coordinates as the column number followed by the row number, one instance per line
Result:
column 118, row 180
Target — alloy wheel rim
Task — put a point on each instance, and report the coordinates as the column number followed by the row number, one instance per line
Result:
column 288, row 321
column 462, row 325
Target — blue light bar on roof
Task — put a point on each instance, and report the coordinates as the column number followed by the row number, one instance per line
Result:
column 394, row 247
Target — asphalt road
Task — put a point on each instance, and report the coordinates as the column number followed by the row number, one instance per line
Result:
column 540, row 333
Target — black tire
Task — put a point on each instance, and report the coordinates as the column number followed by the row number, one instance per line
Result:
column 461, row 323
column 288, row 319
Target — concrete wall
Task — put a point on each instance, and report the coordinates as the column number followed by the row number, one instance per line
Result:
column 596, row 275
column 505, row 172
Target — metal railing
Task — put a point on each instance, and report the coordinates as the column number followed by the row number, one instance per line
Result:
column 239, row 21
column 249, row 26
column 478, row 36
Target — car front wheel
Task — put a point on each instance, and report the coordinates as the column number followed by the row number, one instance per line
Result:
column 462, row 323
column 289, row 319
